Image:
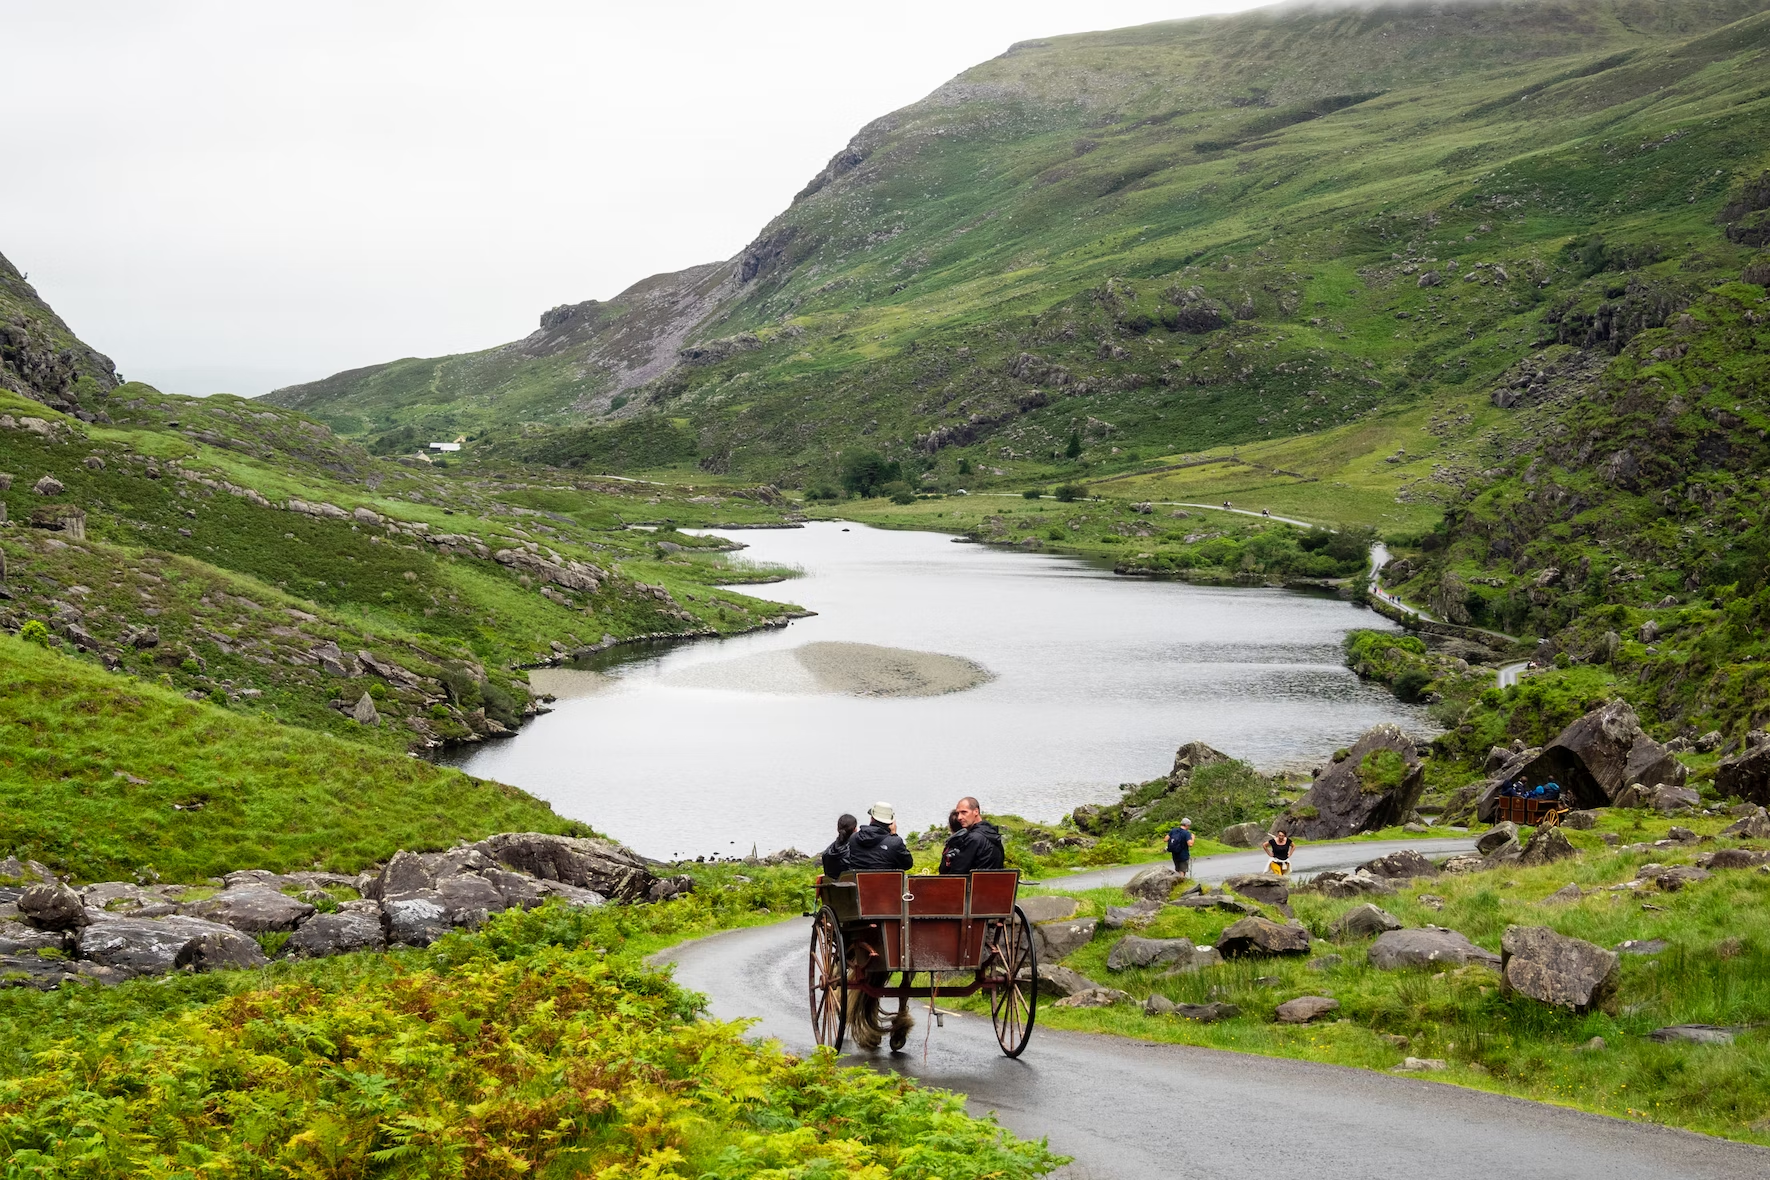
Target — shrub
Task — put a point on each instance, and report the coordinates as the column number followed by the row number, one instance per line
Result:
column 964, row 467
column 1069, row 493
column 1412, row 684
column 1031, row 494
column 865, row 473
column 34, row 632
column 1381, row 771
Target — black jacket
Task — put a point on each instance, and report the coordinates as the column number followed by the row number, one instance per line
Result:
column 876, row 846
column 972, row 848
column 836, row 859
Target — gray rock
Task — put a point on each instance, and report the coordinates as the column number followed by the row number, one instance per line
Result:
column 1159, row 1005
column 1234, row 906
column 1357, row 883
column 1058, row 982
column 1641, row 946
column 337, row 934
column 1189, row 758
column 1197, row 901
column 1421, row 1065
column 1339, row 803
column 602, row 866
column 1673, row 879
column 1402, row 865
column 221, row 950
column 1365, row 921
column 1430, row 946
column 19, row 939
column 666, row 888
column 1325, row 962
column 1134, row 917
column 571, row 895
column 1501, row 833
column 1553, row 969
column 1665, row 797
column 468, row 900
column 1132, row 951
column 1745, row 776
column 1303, row 1009
column 1248, row 835
column 1261, row 936
column 1264, row 888
column 1207, row 1013
column 1100, row 997
column 1582, row 821
column 1055, row 941
column 147, row 946
column 255, row 879
column 415, row 919
column 363, row 712
column 253, row 909
column 1201, row 958
column 1503, row 854
column 1732, row 858
column 1693, row 1034
column 1546, row 846
column 1755, row 826
column 519, row 890
column 1049, row 908
column 1154, row 884
column 51, row 905
column 33, row 971
column 1568, row 892
column 404, row 875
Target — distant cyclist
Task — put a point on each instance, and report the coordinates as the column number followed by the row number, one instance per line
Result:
column 1279, row 847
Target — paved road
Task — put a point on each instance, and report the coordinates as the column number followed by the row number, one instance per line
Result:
column 1508, row 675
column 1130, row 1110
column 1306, row 861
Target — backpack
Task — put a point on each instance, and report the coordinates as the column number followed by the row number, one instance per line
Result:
column 1178, row 840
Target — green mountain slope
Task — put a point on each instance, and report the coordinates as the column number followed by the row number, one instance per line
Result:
column 1203, row 232
column 40, row 357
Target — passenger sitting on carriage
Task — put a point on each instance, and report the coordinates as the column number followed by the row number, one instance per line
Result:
column 976, row 845
column 836, row 855
column 876, row 845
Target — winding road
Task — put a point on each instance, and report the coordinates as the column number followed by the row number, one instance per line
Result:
column 1133, row 1110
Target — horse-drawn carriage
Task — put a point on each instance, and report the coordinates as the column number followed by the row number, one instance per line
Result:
column 872, row 925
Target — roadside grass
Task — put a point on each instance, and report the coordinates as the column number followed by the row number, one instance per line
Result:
column 220, row 790
column 537, row 1044
column 1715, row 970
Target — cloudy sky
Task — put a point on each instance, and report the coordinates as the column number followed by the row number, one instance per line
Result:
column 228, row 196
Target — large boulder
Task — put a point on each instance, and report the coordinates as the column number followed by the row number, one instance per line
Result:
column 1052, row 908
column 1260, row 887
column 1732, row 858
column 1357, row 883
column 1058, row 940
column 1546, row 846
column 1303, row 1009
column 1135, row 917
column 1359, row 793
column 1132, row 951
column 1058, row 982
column 613, row 870
column 1746, row 776
column 1666, row 797
column 52, row 905
column 254, row 909
column 1398, row 866
column 1261, row 936
column 1755, row 826
column 1201, row 958
column 19, row 939
column 1189, row 758
column 337, row 934
column 1248, row 835
column 1595, row 760
column 154, row 946
column 1430, row 946
column 416, row 919
column 1553, row 969
column 33, row 971
column 1501, row 833
column 468, row 899
column 221, row 950
column 1154, row 884
column 1364, row 921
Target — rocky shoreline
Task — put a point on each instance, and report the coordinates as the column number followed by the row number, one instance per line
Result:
column 52, row 933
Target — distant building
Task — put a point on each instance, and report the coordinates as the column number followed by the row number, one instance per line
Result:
column 445, row 446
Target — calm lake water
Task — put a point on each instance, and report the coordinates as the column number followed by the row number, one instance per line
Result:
column 1098, row 678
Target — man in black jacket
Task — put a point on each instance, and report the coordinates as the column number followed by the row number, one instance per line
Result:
column 876, row 845
column 976, row 845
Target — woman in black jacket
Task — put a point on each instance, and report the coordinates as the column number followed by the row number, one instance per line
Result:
column 836, row 855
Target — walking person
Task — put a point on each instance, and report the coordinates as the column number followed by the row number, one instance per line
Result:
column 1180, row 846
column 876, row 844
column 836, row 855
column 976, row 845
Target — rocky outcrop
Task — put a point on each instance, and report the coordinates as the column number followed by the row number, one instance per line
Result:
column 1263, row 888
column 1399, row 866
column 1546, row 846
column 1248, row 835
column 1553, row 969
column 1058, row 940
column 1132, row 951
column 1746, row 776
column 1303, row 1009
column 51, row 905
column 1058, row 982
column 255, row 910
column 1357, row 883
column 1751, row 827
column 1254, row 936
column 128, row 947
column 1154, row 884
column 1189, row 758
column 1374, row 786
column 1049, row 908
column 603, row 866
column 1365, row 921
column 1431, row 946
column 1595, row 760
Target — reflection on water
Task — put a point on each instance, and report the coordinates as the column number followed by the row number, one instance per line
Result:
column 1097, row 679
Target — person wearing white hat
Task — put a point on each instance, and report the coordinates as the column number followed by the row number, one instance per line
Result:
column 876, row 845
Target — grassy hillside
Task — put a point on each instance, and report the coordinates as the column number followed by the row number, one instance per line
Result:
column 40, row 357
column 1229, row 230
column 105, row 777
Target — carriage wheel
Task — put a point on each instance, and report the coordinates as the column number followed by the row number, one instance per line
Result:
column 829, row 981
column 1014, row 1000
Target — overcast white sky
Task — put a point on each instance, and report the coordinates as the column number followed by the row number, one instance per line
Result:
column 232, row 197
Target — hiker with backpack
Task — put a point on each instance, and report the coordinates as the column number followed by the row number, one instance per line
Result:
column 1180, row 846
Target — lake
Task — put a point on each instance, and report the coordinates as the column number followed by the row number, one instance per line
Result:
column 713, row 747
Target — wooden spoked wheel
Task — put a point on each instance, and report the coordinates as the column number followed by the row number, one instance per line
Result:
column 1014, row 1000
column 829, row 981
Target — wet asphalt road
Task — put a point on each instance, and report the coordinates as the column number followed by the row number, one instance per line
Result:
column 1132, row 1110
